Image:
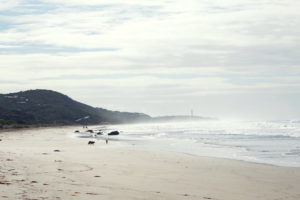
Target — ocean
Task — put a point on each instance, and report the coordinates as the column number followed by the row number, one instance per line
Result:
column 268, row 142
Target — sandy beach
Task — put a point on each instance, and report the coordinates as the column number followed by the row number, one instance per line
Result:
column 48, row 163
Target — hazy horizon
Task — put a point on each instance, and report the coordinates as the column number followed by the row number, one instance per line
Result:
column 225, row 59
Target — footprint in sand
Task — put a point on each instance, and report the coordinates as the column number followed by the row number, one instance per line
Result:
column 78, row 168
column 5, row 183
column 91, row 193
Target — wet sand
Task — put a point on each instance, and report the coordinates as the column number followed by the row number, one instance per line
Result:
column 47, row 163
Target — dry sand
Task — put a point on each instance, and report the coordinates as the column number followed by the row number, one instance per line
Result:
column 31, row 169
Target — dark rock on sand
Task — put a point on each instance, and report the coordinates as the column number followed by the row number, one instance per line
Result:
column 114, row 133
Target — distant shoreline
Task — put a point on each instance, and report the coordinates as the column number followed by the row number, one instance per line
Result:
column 16, row 127
column 167, row 119
column 27, row 127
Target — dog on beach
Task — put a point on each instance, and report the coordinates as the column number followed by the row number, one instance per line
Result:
column 91, row 142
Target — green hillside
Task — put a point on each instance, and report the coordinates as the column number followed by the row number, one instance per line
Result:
column 50, row 107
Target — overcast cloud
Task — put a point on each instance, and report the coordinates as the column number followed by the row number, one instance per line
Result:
column 221, row 58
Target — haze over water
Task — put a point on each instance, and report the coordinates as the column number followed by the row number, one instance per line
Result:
column 269, row 142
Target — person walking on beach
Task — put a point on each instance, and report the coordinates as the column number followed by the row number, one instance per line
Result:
column 106, row 141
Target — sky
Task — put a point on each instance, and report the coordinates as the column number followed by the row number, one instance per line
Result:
column 229, row 59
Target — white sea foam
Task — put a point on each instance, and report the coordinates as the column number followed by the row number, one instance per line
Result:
column 270, row 142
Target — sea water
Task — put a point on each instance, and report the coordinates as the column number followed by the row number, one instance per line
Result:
column 269, row 142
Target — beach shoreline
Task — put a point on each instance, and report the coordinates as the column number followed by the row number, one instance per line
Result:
column 18, row 127
column 48, row 163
